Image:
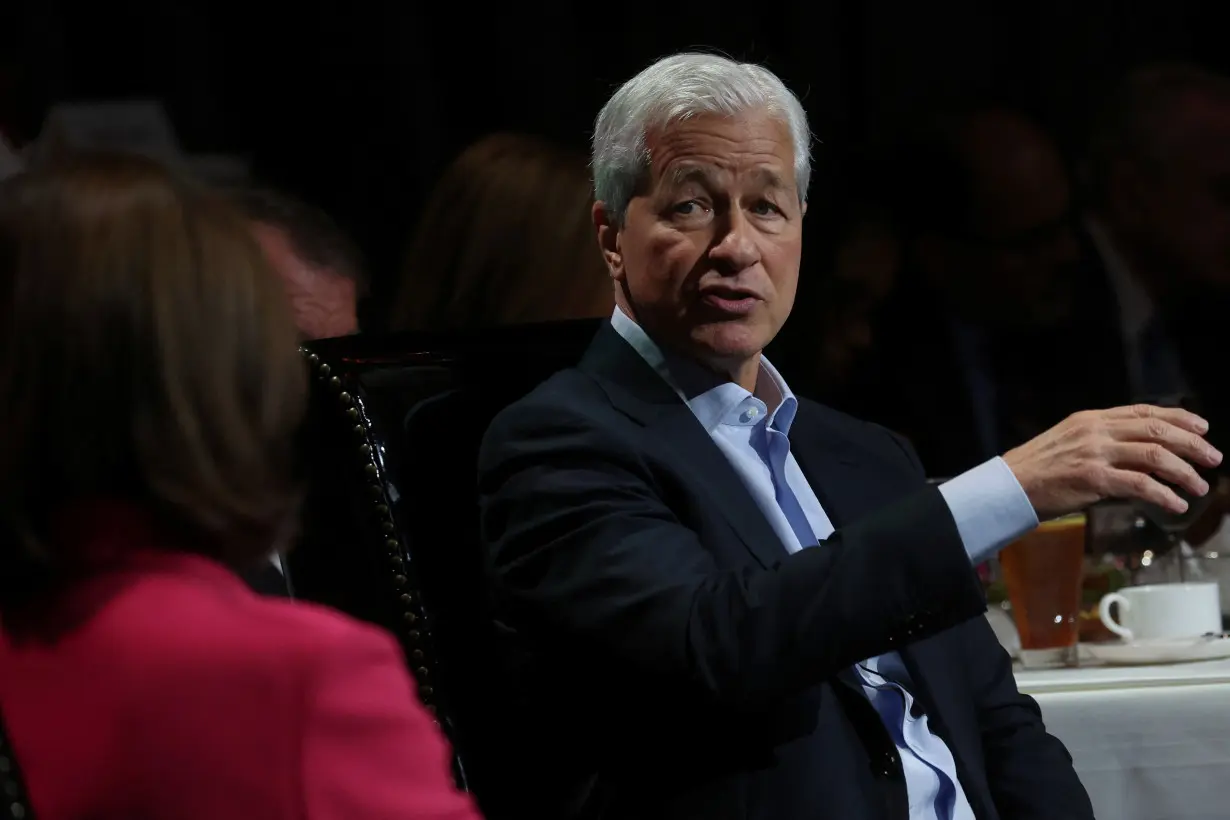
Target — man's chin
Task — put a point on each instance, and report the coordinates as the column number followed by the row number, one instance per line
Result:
column 731, row 341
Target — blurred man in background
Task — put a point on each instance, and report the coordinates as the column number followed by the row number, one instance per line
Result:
column 1158, row 175
column 983, row 203
column 319, row 265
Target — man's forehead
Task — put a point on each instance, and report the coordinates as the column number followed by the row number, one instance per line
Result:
column 685, row 171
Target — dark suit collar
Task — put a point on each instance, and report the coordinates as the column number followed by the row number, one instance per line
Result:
column 632, row 385
column 639, row 392
column 830, row 460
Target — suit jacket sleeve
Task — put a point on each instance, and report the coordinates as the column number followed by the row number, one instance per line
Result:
column 1029, row 771
column 370, row 750
column 585, row 550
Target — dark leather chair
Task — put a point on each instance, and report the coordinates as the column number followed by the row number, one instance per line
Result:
column 390, row 528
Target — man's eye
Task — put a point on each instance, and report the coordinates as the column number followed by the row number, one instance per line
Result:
column 687, row 208
column 765, row 208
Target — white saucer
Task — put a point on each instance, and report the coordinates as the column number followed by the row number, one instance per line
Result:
column 1045, row 658
column 1176, row 650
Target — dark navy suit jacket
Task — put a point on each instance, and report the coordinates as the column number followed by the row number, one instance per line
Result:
column 671, row 660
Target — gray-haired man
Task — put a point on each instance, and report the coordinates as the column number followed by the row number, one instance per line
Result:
column 729, row 602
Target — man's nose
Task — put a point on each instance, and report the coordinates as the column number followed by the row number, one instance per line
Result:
column 736, row 248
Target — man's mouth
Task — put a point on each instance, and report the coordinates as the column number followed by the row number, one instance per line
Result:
column 730, row 301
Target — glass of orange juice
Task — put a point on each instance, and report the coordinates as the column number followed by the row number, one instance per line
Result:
column 1042, row 571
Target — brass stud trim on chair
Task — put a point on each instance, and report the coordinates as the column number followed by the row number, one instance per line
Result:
column 416, row 633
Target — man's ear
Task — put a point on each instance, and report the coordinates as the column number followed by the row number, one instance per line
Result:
column 609, row 241
column 803, row 212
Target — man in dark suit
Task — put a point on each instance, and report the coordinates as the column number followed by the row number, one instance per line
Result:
column 722, row 601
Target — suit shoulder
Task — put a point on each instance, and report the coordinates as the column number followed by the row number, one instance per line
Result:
column 568, row 399
column 816, row 413
column 854, row 431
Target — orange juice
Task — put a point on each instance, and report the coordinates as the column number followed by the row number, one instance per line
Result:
column 1042, row 571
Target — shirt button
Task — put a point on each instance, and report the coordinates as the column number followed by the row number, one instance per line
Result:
column 750, row 414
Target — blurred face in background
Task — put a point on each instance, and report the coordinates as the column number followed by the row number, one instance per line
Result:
column 1013, row 260
column 865, row 269
column 707, row 259
column 324, row 302
column 1171, row 204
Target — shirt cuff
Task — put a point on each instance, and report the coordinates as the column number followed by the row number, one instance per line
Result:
column 990, row 508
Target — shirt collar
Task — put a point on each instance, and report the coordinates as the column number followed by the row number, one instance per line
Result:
column 713, row 400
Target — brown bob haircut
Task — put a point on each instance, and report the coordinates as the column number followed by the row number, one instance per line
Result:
column 506, row 238
column 146, row 356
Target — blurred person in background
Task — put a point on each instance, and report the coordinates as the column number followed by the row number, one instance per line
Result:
column 150, row 394
column 967, row 360
column 1158, row 175
column 505, row 239
column 320, row 268
column 322, row 274
column 863, row 272
column 1158, row 183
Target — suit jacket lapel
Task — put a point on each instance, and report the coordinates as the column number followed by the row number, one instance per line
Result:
column 831, row 469
column 639, row 392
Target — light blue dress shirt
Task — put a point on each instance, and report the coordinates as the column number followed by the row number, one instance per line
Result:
column 752, row 429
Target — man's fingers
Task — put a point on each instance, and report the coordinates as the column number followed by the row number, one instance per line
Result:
column 1174, row 415
column 1154, row 458
column 1132, row 484
column 1174, row 438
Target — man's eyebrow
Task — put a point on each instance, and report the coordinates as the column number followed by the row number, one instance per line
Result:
column 768, row 178
column 681, row 175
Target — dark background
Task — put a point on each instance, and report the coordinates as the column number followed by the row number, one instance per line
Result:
column 358, row 105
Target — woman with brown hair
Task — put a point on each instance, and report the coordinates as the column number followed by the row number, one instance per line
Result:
column 150, row 394
column 506, row 238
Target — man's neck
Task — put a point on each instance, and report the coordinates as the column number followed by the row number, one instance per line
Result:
column 746, row 373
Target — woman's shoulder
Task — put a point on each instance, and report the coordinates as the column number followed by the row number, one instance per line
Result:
column 194, row 610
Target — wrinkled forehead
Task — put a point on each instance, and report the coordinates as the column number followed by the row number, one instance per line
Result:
column 720, row 151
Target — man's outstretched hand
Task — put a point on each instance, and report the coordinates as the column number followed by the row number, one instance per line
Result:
column 1116, row 453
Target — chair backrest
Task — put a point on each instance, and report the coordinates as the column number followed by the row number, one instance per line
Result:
column 391, row 531
column 14, row 804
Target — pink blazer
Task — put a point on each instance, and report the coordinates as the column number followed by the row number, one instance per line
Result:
column 162, row 687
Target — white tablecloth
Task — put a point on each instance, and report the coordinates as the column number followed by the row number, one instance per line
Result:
column 1149, row 743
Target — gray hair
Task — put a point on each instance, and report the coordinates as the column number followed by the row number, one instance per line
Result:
column 676, row 88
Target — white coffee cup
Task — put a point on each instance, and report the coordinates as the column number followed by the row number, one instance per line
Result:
column 1163, row 611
